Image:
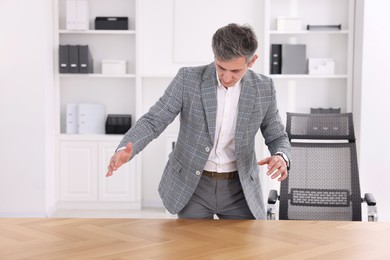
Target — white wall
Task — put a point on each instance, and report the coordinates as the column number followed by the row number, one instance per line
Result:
column 374, row 141
column 26, row 75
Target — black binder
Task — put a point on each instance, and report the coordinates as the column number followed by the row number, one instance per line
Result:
column 85, row 63
column 64, row 58
column 276, row 59
column 73, row 59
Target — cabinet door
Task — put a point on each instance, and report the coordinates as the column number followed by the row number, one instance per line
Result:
column 78, row 171
column 123, row 184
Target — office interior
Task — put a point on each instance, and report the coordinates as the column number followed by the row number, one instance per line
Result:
column 166, row 41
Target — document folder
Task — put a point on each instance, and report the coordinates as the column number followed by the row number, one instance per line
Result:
column 85, row 59
column 276, row 59
column 73, row 59
column 64, row 58
column 294, row 59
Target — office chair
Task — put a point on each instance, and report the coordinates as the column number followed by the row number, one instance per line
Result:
column 323, row 182
column 321, row 110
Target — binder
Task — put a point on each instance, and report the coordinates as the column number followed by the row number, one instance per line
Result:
column 73, row 59
column 294, row 59
column 85, row 62
column 71, row 14
column 77, row 15
column 91, row 118
column 276, row 59
column 64, row 58
column 82, row 14
column 71, row 118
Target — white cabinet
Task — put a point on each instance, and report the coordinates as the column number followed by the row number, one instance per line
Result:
column 82, row 180
column 124, row 184
column 78, row 171
column 299, row 93
column 83, row 158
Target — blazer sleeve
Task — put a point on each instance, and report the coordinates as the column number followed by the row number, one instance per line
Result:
column 273, row 129
column 159, row 116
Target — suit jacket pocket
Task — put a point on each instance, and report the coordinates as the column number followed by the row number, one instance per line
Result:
column 255, row 174
column 175, row 165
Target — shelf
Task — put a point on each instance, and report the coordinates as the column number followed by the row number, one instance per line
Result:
column 89, row 137
column 303, row 32
column 101, row 32
column 80, row 75
column 157, row 76
column 307, row 76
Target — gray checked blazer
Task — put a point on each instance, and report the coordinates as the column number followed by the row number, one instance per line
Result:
column 193, row 95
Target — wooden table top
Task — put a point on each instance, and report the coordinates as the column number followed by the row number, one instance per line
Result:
column 55, row 238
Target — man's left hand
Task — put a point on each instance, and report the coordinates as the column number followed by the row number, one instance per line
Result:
column 276, row 167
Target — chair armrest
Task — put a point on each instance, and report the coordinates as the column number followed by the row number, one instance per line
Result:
column 371, row 207
column 369, row 199
column 273, row 197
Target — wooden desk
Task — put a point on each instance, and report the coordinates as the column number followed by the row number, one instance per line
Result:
column 191, row 239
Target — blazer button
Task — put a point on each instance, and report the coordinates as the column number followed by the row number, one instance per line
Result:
column 197, row 173
column 207, row 149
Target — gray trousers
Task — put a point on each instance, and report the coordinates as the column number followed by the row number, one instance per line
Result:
column 224, row 198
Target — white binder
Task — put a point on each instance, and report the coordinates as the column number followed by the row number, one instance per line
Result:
column 71, row 14
column 71, row 119
column 77, row 15
column 91, row 118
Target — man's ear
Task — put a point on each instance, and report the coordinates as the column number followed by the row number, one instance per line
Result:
column 250, row 64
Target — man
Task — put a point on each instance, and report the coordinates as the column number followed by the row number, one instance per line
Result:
column 213, row 168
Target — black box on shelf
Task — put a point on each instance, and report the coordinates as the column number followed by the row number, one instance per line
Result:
column 111, row 23
column 118, row 124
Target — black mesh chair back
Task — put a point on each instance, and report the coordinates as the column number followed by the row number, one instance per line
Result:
column 323, row 182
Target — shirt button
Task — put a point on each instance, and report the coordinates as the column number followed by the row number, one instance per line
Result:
column 197, row 173
column 207, row 149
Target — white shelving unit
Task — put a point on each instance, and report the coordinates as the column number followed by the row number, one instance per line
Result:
column 298, row 93
column 82, row 159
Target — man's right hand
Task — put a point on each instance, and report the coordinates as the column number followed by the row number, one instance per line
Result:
column 119, row 158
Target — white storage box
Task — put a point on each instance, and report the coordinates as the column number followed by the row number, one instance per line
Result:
column 321, row 66
column 288, row 24
column 114, row 67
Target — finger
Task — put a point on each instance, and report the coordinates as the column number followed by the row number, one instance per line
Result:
column 264, row 161
column 283, row 176
column 272, row 171
column 273, row 164
column 113, row 164
column 276, row 173
column 109, row 173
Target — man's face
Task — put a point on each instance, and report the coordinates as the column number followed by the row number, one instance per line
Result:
column 230, row 72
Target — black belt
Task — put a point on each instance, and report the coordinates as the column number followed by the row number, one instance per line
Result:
column 221, row 175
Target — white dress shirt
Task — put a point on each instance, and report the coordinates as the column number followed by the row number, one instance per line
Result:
column 222, row 157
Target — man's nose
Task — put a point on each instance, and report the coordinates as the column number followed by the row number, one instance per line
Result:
column 227, row 76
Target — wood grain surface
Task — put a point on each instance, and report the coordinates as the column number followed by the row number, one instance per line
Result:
column 54, row 238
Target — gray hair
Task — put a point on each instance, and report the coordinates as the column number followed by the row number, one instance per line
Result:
column 234, row 41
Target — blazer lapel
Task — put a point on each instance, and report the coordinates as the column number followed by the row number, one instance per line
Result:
column 209, row 98
column 245, row 107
